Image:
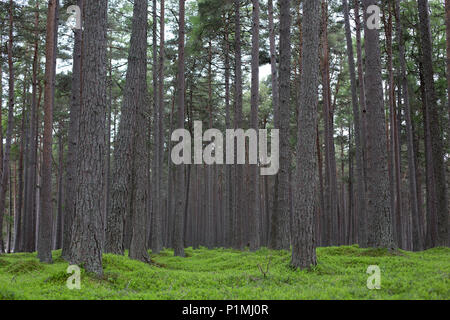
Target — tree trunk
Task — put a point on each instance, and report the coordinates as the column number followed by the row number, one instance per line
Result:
column 87, row 234
column 9, row 129
column 228, row 173
column 71, row 180
column 378, row 205
column 331, row 200
column 280, row 235
column 437, row 155
column 238, row 180
column 137, row 76
column 255, row 195
column 413, row 199
column 59, row 224
column 395, row 148
column 359, row 172
column 447, row 23
column 46, row 212
column 180, row 169
column 305, row 207
column 19, row 206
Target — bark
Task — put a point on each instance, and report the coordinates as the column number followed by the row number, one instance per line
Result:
column 447, row 23
column 255, row 210
column 137, row 67
column 359, row 172
column 378, row 205
column 362, row 227
column 180, row 169
column 228, row 172
column 156, row 243
column 46, row 212
column 437, row 151
column 395, row 152
column 59, row 223
column 9, row 129
column 238, row 242
column 273, row 65
column 71, row 180
column 18, row 229
column 87, row 233
column 161, row 109
column 413, row 199
column 331, row 200
column 305, row 203
column 280, row 235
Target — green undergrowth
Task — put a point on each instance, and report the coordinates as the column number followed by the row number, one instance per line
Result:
column 229, row 274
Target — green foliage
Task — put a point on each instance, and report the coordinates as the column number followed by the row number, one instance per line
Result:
column 230, row 274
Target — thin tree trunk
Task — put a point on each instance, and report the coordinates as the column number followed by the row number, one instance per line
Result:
column 180, row 169
column 394, row 142
column 359, row 172
column 447, row 23
column 59, row 224
column 438, row 167
column 228, row 173
column 238, row 180
column 255, row 210
column 413, row 199
column 331, row 200
column 280, row 238
column 46, row 212
column 71, row 179
column 19, row 212
column 9, row 129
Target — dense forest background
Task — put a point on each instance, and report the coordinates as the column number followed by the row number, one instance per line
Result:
column 87, row 116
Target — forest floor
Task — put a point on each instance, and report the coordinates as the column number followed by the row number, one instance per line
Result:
column 230, row 274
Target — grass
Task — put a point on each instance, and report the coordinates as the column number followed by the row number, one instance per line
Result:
column 230, row 274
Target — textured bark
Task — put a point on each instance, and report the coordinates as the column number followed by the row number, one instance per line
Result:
column 305, row 202
column 359, row 172
column 280, row 235
column 273, row 65
column 161, row 112
column 255, row 211
column 417, row 236
column 228, row 174
column 378, row 205
column 437, row 151
column 46, row 213
column 156, row 243
column 361, row 221
column 59, row 219
column 137, row 67
column 72, row 148
column 1, row 104
column 180, row 169
column 9, row 129
column 87, row 233
column 126, row 197
column 431, row 214
column 331, row 199
column 396, row 196
column 18, row 220
column 238, row 242
column 447, row 23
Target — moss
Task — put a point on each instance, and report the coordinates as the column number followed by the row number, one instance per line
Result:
column 3, row 263
column 24, row 266
column 230, row 274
